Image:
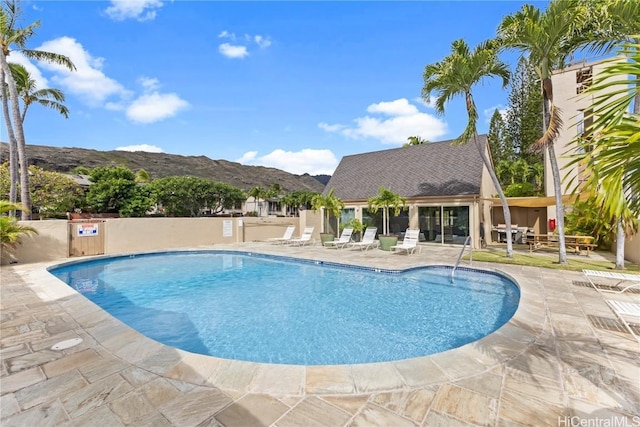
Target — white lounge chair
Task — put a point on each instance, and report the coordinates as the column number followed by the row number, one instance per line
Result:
column 345, row 237
column 288, row 234
column 620, row 278
column 409, row 243
column 368, row 239
column 304, row 238
column 624, row 308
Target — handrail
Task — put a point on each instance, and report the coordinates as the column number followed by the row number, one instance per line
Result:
column 466, row 241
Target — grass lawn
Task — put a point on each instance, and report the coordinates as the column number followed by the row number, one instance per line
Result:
column 548, row 259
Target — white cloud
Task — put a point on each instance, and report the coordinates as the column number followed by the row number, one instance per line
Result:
column 153, row 107
column 247, row 157
column 399, row 107
column 307, row 160
column 400, row 120
column 262, row 42
column 141, row 147
column 88, row 82
column 141, row 10
column 240, row 46
column 233, row 51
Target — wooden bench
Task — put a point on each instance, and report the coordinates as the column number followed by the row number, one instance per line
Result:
column 579, row 243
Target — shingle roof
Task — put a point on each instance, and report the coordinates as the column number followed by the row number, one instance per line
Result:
column 431, row 169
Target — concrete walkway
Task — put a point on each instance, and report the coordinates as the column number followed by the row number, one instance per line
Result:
column 561, row 361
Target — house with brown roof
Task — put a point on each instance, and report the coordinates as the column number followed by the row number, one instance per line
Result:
column 446, row 187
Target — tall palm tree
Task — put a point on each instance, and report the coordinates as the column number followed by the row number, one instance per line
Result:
column 455, row 75
column 548, row 38
column 13, row 145
column 30, row 94
column 13, row 38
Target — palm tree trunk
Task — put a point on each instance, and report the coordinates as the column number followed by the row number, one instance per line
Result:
column 505, row 205
column 620, row 237
column 13, row 161
column 25, row 198
column 562, row 249
column 547, row 101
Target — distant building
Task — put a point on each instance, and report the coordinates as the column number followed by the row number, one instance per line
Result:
column 446, row 187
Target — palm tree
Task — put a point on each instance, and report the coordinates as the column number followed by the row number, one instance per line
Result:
column 415, row 140
column 10, row 230
column 331, row 205
column 385, row 200
column 456, row 75
column 15, row 38
column 548, row 38
column 611, row 144
column 257, row 193
column 30, row 94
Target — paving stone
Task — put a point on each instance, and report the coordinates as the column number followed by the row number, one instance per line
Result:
column 70, row 362
column 8, row 405
column 465, row 405
column 278, row 379
column 350, row 403
column 102, row 367
column 46, row 414
column 195, row 406
column 314, row 412
column 132, row 408
column 30, row 360
column 99, row 417
column 376, row 377
column 93, row 395
column 374, row 415
column 329, row 380
column 160, row 391
column 436, row 419
column 252, row 410
column 412, row 404
column 49, row 390
column 514, row 410
column 21, row 380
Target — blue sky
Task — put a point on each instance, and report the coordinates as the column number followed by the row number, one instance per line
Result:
column 291, row 85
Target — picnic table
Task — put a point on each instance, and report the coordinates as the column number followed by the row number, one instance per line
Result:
column 578, row 243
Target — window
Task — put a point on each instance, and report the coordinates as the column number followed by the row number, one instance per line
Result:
column 584, row 78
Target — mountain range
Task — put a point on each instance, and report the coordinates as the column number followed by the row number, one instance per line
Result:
column 160, row 165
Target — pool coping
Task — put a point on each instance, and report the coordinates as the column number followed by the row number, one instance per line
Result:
column 103, row 330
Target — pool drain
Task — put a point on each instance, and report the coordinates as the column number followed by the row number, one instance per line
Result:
column 63, row 345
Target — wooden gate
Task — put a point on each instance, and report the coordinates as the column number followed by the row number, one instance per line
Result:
column 86, row 237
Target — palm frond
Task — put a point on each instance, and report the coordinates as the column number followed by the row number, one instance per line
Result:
column 552, row 132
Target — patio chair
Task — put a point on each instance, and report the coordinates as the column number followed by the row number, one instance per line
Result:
column 345, row 237
column 628, row 309
column 409, row 243
column 621, row 278
column 304, row 238
column 288, row 234
column 368, row 239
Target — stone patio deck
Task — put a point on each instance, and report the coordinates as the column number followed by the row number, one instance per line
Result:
column 561, row 360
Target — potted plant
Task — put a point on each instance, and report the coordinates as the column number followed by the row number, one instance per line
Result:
column 386, row 199
column 357, row 225
column 331, row 206
column 10, row 230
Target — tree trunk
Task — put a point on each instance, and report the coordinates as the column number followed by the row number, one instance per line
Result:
column 547, row 94
column 562, row 248
column 505, row 205
column 620, row 237
column 13, row 156
column 25, row 198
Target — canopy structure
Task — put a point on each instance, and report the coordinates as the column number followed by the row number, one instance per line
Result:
column 539, row 202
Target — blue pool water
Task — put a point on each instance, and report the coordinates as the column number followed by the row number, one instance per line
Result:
column 277, row 310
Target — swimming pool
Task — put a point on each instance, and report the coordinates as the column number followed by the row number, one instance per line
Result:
column 278, row 310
